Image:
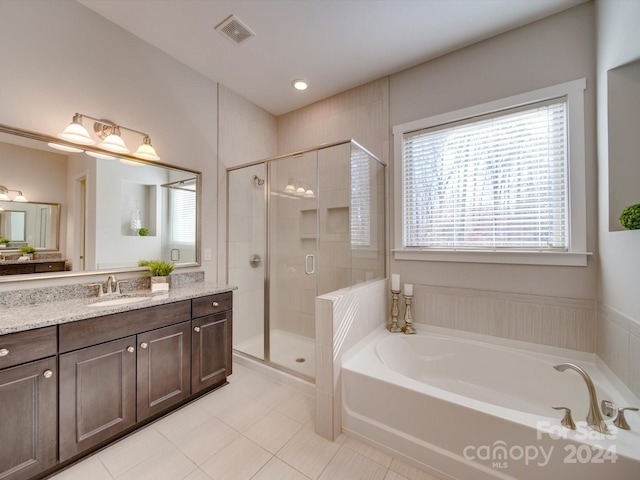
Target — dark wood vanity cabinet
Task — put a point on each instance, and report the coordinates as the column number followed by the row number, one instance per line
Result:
column 122, row 369
column 28, row 403
column 32, row 267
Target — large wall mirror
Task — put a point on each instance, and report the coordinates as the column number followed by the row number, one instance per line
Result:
column 96, row 215
column 623, row 110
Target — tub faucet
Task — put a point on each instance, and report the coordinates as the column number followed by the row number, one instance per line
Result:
column 594, row 418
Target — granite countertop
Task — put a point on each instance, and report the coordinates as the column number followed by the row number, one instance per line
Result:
column 28, row 262
column 27, row 317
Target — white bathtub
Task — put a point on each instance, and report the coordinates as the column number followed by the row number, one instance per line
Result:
column 472, row 407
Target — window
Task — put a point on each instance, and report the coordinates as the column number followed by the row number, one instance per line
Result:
column 501, row 182
column 182, row 205
column 360, row 199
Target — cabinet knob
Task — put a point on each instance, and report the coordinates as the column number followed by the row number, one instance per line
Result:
column 47, row 374
column 196, row 329
column 4, row 352
column 131, row 349
column 215, row 304
column 144, row 345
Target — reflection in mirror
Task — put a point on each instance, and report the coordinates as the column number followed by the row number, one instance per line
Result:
column 623, row 110
column 28, row 223
column 95, row 214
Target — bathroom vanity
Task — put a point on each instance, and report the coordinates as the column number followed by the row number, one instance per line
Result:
column 81, row 380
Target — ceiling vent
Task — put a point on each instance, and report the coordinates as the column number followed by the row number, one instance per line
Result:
column 235, row 31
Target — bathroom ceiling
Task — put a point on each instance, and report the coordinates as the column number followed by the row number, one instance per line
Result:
column 334, row 44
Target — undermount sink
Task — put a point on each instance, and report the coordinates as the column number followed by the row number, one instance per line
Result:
column 117, row 301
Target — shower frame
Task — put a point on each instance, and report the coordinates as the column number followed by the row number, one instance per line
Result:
column 267, row 239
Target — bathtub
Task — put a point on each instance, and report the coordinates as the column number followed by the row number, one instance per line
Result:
column 466, row 406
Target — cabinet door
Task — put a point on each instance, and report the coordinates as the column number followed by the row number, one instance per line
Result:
column 97, row 394
column 28, row 418
column 209, row 349
column 164, row 367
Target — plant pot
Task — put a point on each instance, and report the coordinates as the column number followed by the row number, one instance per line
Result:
column 160, row 284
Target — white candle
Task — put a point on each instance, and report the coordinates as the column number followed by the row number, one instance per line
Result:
column 408, row 289
column 395, row 282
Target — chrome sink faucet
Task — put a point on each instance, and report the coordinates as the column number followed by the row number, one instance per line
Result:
column 112, row 286
column 594, row 418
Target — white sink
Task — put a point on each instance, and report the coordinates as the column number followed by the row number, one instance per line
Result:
column 118, row 301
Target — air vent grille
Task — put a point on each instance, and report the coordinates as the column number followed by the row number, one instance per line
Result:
column 234, row 30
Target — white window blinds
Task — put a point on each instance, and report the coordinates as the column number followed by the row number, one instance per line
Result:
column 182, row 200
column 360, row 199
column 488, row 183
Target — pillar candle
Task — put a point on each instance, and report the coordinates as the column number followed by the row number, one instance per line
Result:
column 395, row 282
column 408, row 289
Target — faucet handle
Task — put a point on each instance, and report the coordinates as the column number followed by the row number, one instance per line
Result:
column 118, row 283
column 566, row 421
column 99, row 285
column 620, row 421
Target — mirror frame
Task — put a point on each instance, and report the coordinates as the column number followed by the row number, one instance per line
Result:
column 88, row 273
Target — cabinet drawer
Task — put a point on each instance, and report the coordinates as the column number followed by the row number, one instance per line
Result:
column 49, row 267
column 92, row 331
column 22, row 347
column 212, row 304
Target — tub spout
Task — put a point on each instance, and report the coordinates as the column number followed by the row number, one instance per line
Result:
column 594, row 418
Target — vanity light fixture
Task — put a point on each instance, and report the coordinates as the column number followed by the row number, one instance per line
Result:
column 4, row 195
column 65, row 148
column 299, row 84
column 109, row 132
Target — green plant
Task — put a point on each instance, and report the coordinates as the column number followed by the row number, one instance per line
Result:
column 143, row 232
column 27, row 249
column 158, row 268
column 4, row 240
column 630, row 217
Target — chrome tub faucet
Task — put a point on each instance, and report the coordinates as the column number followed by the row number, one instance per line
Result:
column 594, row 418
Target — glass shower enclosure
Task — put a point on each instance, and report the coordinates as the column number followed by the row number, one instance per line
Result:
column 299, row 226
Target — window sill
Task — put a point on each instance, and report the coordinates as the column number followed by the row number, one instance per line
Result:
column 571, row 259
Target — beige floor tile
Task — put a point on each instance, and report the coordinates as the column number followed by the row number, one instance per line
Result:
column 368, row 451
column 170, row 465
column 391, row 475
column 181, row 423
column 91, row 468
column 409, row 471
column 206, row 440
column 197, row 474
column 350, row 465
column 309, row 453
column 239, row 460
column 273, row 431
column 276, row 469
column 133, row 450
column 243, row 414
column 299, row 407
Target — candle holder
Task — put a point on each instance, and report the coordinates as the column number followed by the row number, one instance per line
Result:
column 393, row 327
column 408, row 322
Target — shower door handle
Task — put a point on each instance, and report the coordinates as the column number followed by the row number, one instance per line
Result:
column 312, row 270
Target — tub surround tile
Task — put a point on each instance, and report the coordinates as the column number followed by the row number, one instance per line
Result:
column 613, row 345
column 554, row 321
column 634, row 365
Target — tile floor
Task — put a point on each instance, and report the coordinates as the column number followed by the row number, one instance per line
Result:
column 252, row 428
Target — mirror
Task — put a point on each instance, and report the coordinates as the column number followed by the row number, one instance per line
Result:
column 30, row 223
column 96, row 215
column 623, row 110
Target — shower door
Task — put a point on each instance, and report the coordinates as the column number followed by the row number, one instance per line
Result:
column 293, row 262
column 247, row 236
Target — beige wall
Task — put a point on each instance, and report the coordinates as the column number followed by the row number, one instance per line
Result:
column 60, row 58
column 548, row 52
column 618, row 339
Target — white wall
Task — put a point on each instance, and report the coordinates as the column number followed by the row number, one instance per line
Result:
column 618, row 24
column 59, row 58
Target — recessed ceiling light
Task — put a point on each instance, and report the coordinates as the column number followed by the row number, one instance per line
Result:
column 299, row 84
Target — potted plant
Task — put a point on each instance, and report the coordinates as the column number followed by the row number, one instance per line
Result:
column 143, row 232
column 27, row 251
column 160, row 271
column 630, row 217
column 3, row 242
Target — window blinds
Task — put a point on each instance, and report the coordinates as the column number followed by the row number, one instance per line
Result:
column 493, row 182
column 360, row 199
column 183, row 213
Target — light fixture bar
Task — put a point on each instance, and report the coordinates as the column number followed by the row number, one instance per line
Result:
column 4, row 195
column 110, row 133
